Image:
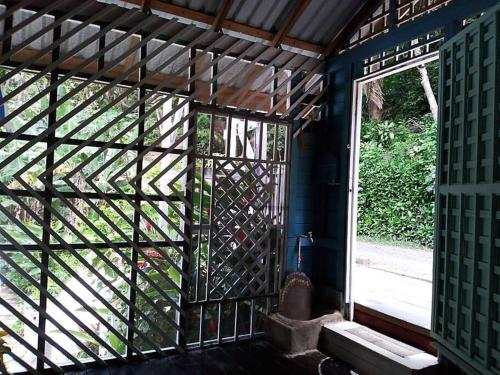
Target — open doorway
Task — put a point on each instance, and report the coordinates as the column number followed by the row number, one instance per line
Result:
column 392, row 205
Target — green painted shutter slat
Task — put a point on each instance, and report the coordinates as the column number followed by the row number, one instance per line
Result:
column 466, row 301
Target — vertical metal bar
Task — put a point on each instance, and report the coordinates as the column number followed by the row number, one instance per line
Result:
column 275, row 143
column 392, row 16
column 277, row 224
column 201, row 336
column 213, row 82
column 229, row 130
column 47, row 216
column 9, row 11
column 137, row 200
column 102, row 45
column 270, row 182
column 31, row 20
column 211, row 219
column 190, row 175
column 274, row 86
column 200, row 227
column 285, row 203
column 212, row 134
column 236, row 320
column 213, row 89
column 219, row 323
column 245, row 138
column 261, row 131
column 252, row 317
column 7, row 43
column 438, row 201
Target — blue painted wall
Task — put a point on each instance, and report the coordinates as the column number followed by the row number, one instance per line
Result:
column 320, row 166
column 318, row 191
column 302, row 187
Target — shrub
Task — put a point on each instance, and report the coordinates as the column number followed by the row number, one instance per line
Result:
column 396, row 181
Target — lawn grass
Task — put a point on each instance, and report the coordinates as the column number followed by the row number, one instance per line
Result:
column 388, row 242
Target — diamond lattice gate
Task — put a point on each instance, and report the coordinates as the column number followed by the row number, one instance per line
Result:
column 135, row 218
column 239, row 228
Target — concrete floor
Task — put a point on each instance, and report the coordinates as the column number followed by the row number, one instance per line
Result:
column 394, row 280
column 253, row 357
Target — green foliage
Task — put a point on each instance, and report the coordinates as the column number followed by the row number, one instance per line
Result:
column 404, row 97
column 396, row 180
column 100, row 221
column 156, row 285
column 203, row 132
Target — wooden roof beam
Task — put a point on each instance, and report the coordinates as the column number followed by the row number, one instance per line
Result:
column 219, row 19
column 299, row 9
column 208, row 19
column 355, row 23
column 145, row 5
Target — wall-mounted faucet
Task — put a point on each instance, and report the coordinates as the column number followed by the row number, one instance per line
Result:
column 309, row 237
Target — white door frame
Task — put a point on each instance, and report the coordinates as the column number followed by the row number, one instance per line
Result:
column 354, row 146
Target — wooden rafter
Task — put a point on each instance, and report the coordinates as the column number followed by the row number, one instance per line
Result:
column 145, row 5
column 299, row 9
column 355, row 22
column 221, row 16
column 208, row 19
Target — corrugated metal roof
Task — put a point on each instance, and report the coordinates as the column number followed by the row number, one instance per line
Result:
column 205, row 6
column 322, row 20
column 318, row 24
column 235, row 75
column 262, row 14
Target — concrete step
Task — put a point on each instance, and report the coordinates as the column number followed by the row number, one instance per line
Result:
column 373, row 353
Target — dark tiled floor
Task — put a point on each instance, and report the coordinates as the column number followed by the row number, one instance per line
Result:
column 244, row 358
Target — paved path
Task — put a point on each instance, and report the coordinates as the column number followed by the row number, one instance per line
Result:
column 394, row 280
column 410, row 262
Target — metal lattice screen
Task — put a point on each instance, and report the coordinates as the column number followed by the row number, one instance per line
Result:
column 466, row 311
column 417, row 48
column 392, row 14
column 138, row 213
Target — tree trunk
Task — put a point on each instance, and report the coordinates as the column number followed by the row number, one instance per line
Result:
column 429, row 94
column 375, row 99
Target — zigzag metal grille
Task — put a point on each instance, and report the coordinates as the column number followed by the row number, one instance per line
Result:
column 101, row 245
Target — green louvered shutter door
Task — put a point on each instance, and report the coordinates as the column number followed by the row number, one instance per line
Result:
column 466, row 310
